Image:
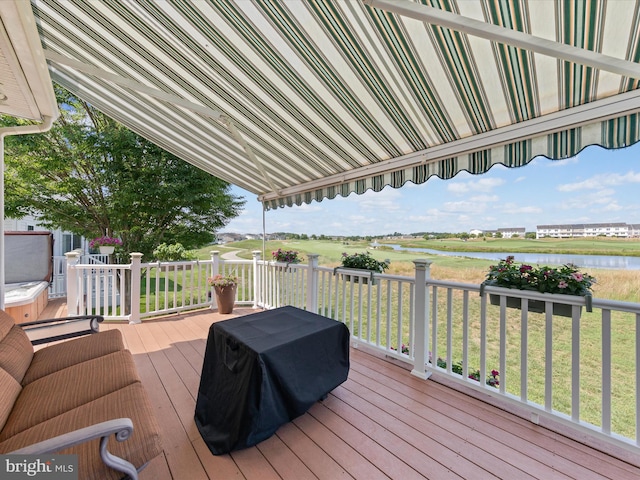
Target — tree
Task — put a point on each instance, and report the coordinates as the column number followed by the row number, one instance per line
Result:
column 92, row 176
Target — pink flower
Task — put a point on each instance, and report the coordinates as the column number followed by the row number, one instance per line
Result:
column 577, row 276
column 525, row 268
column 562, row 284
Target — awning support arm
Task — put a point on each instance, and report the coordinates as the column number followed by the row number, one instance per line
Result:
column 507, row 36
column 248, row 150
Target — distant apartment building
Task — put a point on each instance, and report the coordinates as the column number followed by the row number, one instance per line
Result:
column 512, row 232
column 575, row 230
column 503, row 232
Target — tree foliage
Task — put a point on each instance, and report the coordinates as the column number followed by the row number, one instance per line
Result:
column 92, row 176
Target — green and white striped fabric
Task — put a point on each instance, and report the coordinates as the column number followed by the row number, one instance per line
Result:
column 303, row 100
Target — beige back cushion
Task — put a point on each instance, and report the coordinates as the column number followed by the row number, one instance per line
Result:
column 16, row 353
column 9, row 391
column 6, row 322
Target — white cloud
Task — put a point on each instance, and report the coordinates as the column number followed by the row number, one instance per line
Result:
column 484, row 198
column 480, row 185
column 600, row 181
column 528, row 209
column 564, row 162
column 612, row 207
column 463, row 207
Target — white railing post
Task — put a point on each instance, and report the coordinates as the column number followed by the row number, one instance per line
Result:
column 421, row 334
column 72, row 282
column 215, row 269
column 136, row 259
column 312, row 283
column 257, row 296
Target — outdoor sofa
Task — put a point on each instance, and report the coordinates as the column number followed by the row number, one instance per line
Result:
column 81, row 396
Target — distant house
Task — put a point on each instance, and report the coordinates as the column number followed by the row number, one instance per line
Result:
column 230, row 237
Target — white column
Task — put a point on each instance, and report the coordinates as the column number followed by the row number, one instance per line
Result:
column 312, row 283
column 215, row 269
column 136, row 259
column 72, row 282
column 421, row 333
column 257, row 284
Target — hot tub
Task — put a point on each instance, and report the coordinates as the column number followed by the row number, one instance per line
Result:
column 26, row 301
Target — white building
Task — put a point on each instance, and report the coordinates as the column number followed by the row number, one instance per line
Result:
column 585, row 230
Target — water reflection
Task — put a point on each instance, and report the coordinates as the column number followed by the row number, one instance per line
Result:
column 583, row 261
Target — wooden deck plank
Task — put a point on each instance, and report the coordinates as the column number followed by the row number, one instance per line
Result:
column 541, row 444
column 353, row 462
column 283, row 460
column 313, row 456
column 455, row 421
column 218, row 467
column 382, row 458
column 381, row 423
column 181, row 457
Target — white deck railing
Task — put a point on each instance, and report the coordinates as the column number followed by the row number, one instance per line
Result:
column 567, row 369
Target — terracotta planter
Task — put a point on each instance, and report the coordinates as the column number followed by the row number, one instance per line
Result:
column 226, row 298
column 535, row 306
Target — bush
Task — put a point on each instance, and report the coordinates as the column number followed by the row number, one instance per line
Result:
column 173, row 253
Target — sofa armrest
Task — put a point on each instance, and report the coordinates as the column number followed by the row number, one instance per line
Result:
column 50, row 330
column 121, row 427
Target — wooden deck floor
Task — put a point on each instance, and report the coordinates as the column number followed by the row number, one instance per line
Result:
column 381, row 423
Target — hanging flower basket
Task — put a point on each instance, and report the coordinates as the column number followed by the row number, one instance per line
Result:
column 565, row 280
column 105, row 245
column 364, row 263
column 534, row 306
column 365, row 277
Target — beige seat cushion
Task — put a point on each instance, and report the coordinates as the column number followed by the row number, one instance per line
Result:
column 16, row 353
column 131, row 402
column 69, row 388
column 9, row 391
column 62, row 355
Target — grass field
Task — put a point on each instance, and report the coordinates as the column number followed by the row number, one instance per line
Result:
column 611, row 284
column 621, row 285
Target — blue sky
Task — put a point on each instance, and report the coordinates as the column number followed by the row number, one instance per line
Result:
column 596, row 186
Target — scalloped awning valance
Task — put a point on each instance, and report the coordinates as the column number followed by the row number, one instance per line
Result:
column 298, row 101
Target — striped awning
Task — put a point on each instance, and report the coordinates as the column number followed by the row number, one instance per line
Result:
column 303, row 100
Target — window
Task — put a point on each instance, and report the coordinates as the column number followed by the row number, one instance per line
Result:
column 70, row 242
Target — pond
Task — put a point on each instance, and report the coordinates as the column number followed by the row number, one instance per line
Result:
column 583, row 261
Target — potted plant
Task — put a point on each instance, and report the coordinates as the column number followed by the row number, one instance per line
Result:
column 105, row 245
column 363, row 261
column 225, row 287
column 564, row 280
column 285, row 256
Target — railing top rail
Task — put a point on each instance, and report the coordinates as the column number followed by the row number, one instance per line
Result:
column 473, row 287
column 180, row 263
column 364, row 273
